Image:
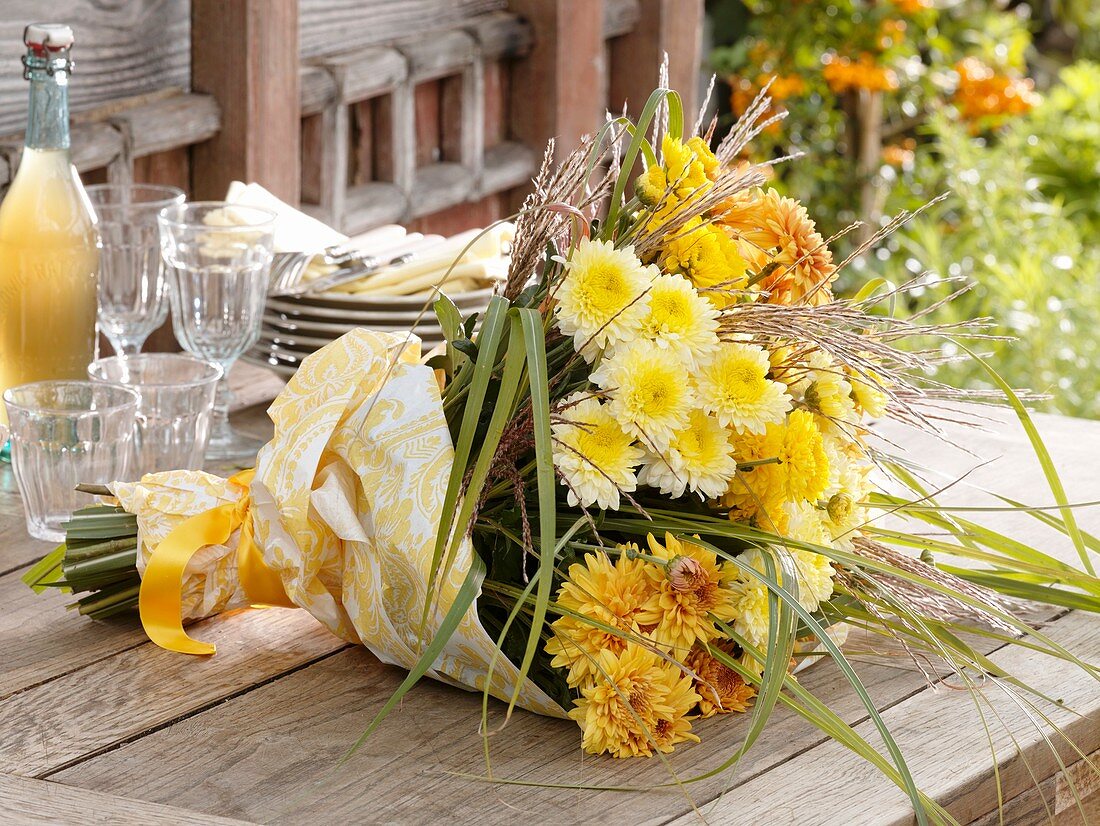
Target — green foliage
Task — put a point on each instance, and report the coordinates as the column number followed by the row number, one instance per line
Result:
column 1035, row 273
column 1061, row 140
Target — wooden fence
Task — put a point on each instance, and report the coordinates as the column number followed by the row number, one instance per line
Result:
column 433, row 113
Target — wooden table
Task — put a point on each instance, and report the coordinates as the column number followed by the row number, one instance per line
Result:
column 97, row 723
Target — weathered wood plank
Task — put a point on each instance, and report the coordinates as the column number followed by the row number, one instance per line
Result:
column 945, row 746
column 32, row 802
column 159, row 126
column 244, row 53
column 333, row 26
column 246, row 744
column 123, row 48
column 45, row 727
column 555, row 90
column 672, row 27
column 620, row 17
column 316, row 711
column 40, row 640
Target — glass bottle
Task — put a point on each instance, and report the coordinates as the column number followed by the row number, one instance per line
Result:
column 49, row 257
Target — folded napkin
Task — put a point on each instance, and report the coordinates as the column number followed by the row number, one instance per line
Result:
column 294, row 230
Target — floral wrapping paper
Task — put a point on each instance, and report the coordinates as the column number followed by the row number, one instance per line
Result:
column 345, row 507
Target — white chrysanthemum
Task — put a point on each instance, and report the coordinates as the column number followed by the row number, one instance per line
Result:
column 602, row 297
column 751, row 602
column 826, row 391
column 734, row 386
column 842, row 519
column 650, row 392
column 680, row 320
column 699, row 458
column 595, row 458
column 849, row 467
column 815, row 579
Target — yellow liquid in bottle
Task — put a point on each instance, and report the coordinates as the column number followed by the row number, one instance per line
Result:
column 49, row 263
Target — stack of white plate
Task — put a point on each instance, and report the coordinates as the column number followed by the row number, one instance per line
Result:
column 295, row 327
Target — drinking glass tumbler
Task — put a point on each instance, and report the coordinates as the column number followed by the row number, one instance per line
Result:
column 133, row 300
column 65, row 433
column 175, row 402
column 218, row 258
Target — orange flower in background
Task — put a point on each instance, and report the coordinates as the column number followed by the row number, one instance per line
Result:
column 911, row 7
column 842, row 74
column 900, row 154
column 891, row 32
column 983, row 93
column 771, row 229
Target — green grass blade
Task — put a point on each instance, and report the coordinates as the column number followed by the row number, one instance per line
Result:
column 528, row 324
column 464, row 598
column 45, row 570
column 1042, row 454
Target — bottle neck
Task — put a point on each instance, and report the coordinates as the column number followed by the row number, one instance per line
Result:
column 48, row 113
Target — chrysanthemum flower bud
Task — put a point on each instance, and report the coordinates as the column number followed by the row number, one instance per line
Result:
column 685, row 573
column 839, row 507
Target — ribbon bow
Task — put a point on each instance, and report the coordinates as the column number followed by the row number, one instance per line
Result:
column 160, row 599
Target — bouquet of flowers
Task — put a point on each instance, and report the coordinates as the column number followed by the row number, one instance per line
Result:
column 634, row 493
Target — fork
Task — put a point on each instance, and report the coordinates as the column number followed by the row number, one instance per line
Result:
column 287, row 268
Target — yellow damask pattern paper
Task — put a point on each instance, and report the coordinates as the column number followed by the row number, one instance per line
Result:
column 346, row 502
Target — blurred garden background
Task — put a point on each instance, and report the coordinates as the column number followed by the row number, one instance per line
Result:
column 897, row 101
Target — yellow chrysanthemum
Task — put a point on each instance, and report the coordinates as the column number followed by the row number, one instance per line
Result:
column 687, row 165
column 595, row 458
column 651, row 186
column 680, row 320
column 612, row 593
column 693, row 592
column 650, row 394
column 735, row 388
column 868, row 395
column 825, row 390
column 602, row 297
column 721, row 690
column 772, row 229
column 801, row 472
column 709, row 258
column 699, row 458
column 638, row 702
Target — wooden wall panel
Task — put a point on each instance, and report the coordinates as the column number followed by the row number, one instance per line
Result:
column 123, row 48
column 335, row 26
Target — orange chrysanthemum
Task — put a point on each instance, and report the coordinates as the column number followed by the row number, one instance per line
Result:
column 772, row 229
column 985, row 94
column 721, row 690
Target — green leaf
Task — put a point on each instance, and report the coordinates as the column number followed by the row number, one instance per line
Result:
column 1042, row 454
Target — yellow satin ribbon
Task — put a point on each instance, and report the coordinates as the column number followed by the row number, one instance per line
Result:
column 160, row 600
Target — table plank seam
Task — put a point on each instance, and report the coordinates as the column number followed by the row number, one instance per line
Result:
column 180, row 718
column 825, row 740
column 16, row 692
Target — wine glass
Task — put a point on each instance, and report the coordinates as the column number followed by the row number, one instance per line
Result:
column 218, row 258
column 132, row 297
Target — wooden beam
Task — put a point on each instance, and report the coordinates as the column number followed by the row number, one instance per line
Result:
column 664, row 26
column 555, row 89
column 245, row 54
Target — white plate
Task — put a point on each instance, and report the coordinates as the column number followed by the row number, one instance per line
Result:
column 385, row 303
column 326, row 314
column 332, row 329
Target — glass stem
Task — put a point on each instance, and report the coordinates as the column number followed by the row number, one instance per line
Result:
column 128, row 346
column 219, row 420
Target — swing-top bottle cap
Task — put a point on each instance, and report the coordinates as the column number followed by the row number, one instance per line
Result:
column 48, row 37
